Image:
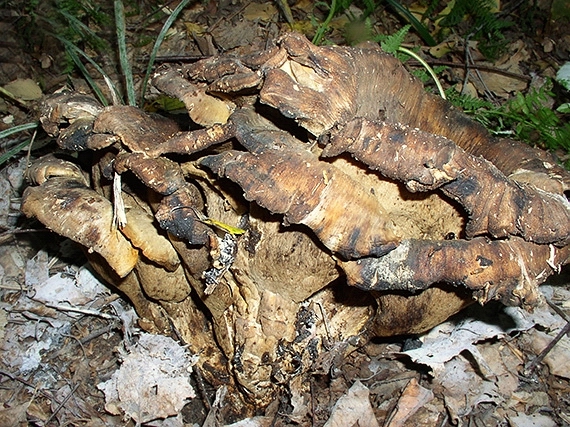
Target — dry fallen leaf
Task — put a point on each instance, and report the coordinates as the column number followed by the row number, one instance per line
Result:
column 24, row 89
column 152, row 382
column 264, row 11
column 353, row 408
column 499, row 84
column 14, row 415
column 413, row 398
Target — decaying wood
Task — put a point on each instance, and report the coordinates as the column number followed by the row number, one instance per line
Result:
column 396, row 193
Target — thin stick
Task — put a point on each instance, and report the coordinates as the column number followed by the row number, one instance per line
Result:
column 64, row 401
column 229, row 18
column 538, row 359
column 28, row 384
column 485, row 68
column 81, row 311
column 202, row 387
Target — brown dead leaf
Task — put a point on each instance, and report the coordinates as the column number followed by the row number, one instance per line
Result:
column 557, row 359
column 501, row 85
column 413, row 398
column 24, row 89
column 264, row 12
column 14, row 415
column 353, row 408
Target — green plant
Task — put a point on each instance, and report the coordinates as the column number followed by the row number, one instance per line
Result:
column 393, row 44
column 389, row 43
column 19, row 146
column 420, row 28
column 339, row 6
column 72, row 23
column 526, row 117
column 336, row 7
column 74, row 20
column 77, row 33
column 484, row 24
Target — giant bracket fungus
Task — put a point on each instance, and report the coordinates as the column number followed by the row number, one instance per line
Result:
column 322, row 196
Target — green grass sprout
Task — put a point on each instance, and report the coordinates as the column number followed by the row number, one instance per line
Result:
column 123, row 57
column 158, row 43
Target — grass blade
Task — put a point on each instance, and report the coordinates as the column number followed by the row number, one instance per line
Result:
column 18, row 147
column 13, row 151
column 82, row 29
column 320, row 33
column 16, row 129
column 73, row 54
column 124, row 60
column 157, row 44
column 427, row 67
column 408, row 16
column 74, row 51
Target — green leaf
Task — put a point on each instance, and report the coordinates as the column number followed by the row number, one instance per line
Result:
column 563, row 76
column 564, row 108
column 409, row 17
column 16, row 129
column 73, row 51
column 18, row 147
column 393, row 42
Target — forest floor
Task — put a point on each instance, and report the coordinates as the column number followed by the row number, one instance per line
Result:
column 62, row 331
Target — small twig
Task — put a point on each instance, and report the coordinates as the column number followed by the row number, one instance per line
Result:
column 63, row 402
column 86, row 339
column 28, row 384
column 78, row 342
column 558, row 310
column 202, row 388
column 98, row 333
column 538, row 359
column 229, row 18
column 182, row 59
column 444, row 421
column 81, row 311
column 313, row 409
column 485, row 68
column 14, row 288
column 469, row 62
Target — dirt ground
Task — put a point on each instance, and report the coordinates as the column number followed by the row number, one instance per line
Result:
column 63, row 333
